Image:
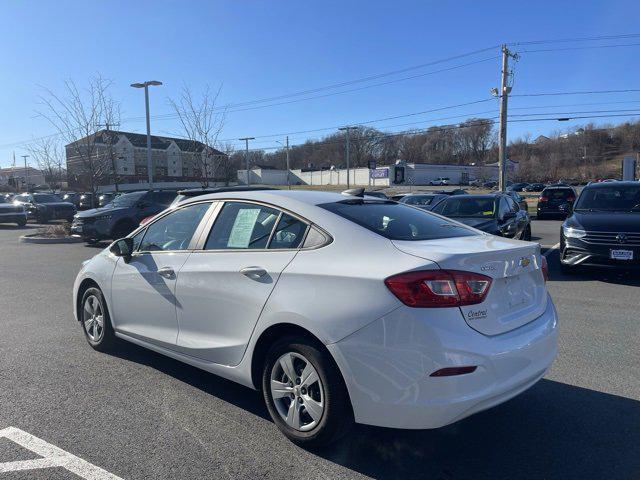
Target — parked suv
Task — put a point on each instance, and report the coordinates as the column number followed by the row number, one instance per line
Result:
column 553, row 198
column 11, row 213
column 44, row 207
column 121, row 216
column 603, row 228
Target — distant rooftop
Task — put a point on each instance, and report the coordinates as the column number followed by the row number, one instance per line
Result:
column 104, row 137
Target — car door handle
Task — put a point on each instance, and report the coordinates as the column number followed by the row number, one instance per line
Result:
column 253, row 272
column 167, row 272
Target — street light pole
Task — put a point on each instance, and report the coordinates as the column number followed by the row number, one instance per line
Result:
column 146, row 86
column 26, row 172
column 347, row 129
column 288, row 179
column 246, row 156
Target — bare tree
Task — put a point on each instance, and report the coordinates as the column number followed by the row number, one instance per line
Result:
column 49, row 156
column 78, row 115
column 201, row 123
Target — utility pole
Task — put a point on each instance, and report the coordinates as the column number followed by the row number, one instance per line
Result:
column 503, row 95
column 26, row 172
column 288, row 178
column 348, row 130
column 246, row 156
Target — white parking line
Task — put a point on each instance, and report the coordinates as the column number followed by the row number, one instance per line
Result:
column 551, row 249
column 52, row 457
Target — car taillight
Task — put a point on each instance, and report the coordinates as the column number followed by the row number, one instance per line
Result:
column 545, row 268
column 439, row 288
column 146, row 220
column 543, row 199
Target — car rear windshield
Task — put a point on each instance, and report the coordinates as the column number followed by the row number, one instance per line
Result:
column 610, row 199
column 39, row 198
column 467, row 207
column 128, row 199
column 558, row 193
column 397, row 221
column 418, row 199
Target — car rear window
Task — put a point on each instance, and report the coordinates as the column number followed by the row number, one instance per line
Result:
column 558, row 193
column 397, row 221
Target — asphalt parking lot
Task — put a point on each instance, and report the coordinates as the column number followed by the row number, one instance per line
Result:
column 137, row 414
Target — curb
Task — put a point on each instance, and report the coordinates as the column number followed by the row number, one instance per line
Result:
column 34, row 239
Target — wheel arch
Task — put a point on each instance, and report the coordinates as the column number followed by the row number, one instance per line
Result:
column 84, row 285
column 268, row 337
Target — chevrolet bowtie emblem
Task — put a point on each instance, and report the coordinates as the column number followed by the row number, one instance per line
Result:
column 524, row 262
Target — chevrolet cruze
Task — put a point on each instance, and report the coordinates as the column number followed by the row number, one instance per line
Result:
column 339, row 308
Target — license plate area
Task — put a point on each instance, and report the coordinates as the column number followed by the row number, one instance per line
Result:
column 620, row 254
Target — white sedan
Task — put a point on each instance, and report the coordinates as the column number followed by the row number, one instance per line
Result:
column 339, row 308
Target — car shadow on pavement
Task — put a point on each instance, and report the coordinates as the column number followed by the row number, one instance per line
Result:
column 234, row 393
column 552, row 431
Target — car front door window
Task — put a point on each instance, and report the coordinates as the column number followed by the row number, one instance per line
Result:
column 173, row 231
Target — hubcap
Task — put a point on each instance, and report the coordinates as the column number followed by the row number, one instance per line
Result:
column 297, row 391
column 93, row 318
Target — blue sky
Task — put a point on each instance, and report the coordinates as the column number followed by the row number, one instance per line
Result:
column 264, row 49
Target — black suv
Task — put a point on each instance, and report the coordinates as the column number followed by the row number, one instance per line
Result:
column 44, row 207
column 604, row 227
column 120, row 217
column 555, row 200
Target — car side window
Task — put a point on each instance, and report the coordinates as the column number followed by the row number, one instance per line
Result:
column 243, row 226
column 173, row 231
column 288, row 233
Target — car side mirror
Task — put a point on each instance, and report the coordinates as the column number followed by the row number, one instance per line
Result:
column 122, row 247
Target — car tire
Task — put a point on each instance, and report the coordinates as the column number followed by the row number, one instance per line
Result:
column 42, row 219
column 325, row 390
column 22, row 222
column 526, row 235
column 540, row 216
column 95, row 320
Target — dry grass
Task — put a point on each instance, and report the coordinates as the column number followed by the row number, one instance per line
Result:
column 60, row 230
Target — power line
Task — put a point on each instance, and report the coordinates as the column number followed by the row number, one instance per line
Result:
column 170, row 116
column 577, row 39
column 588, row 92
column 589, row 47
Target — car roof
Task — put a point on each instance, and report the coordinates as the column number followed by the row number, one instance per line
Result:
column 308, row 197
column 618, row 183
column 479, row 196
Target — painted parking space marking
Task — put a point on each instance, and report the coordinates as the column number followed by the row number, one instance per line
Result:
column 52, row 457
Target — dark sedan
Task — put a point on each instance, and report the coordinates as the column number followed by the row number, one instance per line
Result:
column 497, row 214
column 554, row 200
column 534, row 187
column 426, row 201
column 603, row 228
column 44, row 207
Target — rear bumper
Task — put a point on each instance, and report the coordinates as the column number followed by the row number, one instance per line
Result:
column 387, row 364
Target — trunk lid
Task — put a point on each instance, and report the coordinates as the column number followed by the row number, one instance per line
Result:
column 517, row 295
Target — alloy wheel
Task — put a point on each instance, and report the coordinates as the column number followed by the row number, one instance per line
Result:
column 93, row 318
column 297, row 391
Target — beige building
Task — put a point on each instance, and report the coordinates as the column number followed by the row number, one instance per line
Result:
column 122, row 157
column 19, row 177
